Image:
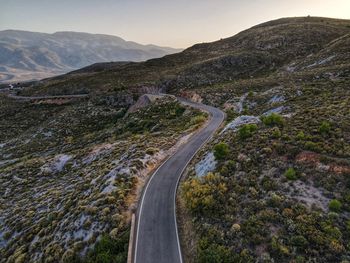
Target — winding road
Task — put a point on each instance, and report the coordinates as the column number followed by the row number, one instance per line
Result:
column 157, row 239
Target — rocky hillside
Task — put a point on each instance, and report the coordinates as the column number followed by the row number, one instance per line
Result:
column 272, row 186
column 29, row 55
column 71, row 170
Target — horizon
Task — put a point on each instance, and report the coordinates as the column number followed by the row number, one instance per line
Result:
column 146, row 44
column 162, row 23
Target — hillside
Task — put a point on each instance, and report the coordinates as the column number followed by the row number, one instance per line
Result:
column 271, row 186
column 30, row 55
column 256, row 52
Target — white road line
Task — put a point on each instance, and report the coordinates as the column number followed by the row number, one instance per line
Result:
column 177, row 184
column 141, row 206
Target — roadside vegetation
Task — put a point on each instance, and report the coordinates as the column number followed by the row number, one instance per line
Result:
column 280, row 190
column 70, row 174
column 276, row 184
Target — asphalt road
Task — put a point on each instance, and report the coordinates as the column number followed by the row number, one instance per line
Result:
column 157, row 238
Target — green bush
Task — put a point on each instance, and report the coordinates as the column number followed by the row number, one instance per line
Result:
column 290, row 174
column 299, row 241
column 250, row 94
column 335, row 205
column 273, row 119
column 221, row 150
column 300, row 136
column 230, row 115
column 108, row 250
column 213, row 253
column 247, row 131
column 312, row 146
column 276, row 133
column 325, row 128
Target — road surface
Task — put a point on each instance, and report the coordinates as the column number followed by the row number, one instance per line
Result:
column 157, row 238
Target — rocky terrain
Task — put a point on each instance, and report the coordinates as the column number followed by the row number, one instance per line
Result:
column 272, row 186
column 278, row 173
column 29, row 55
column 70, row 173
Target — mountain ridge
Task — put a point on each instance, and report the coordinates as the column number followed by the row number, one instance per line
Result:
column 258, row 51
column 29, row 55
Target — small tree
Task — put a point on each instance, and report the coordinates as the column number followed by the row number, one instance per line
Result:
column 221, row 150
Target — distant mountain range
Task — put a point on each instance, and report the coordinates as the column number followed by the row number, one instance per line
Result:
column 29, row 55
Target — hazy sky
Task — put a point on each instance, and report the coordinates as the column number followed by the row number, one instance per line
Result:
column 177, row 23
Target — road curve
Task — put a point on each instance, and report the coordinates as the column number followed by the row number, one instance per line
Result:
column 157, row 238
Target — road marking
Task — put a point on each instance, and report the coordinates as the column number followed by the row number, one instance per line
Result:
column 178, row 181
column 141, row 206
column 177, row 184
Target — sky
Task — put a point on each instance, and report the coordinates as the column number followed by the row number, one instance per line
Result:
column 174, row 23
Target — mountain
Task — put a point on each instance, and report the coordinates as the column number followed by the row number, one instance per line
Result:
column 271, row 186
column 29, row 55
column 258, row 51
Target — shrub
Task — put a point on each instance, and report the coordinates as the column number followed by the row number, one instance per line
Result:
column 290, row 174
column 299, row 241
column 202, row 195
column 278, row 247
column 276, row 133
column 300, row 136
column 151, row 150
column 221, row 150
column 230, row 115
column 236, row 228
column 348, row 225
column 110, row 250
column 198, row 120
column 332, row 232
column 325, row 128
column 212, row 252
column 312, row 146
column 335, row 205
column 247, row 131
column 273, row 119
column 268, row 184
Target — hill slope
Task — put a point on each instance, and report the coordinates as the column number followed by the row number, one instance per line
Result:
column 258, row 51
column 29, row 55
column 268, row 188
